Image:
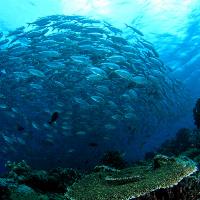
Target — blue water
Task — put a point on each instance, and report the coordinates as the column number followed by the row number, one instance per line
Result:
column 171, row 26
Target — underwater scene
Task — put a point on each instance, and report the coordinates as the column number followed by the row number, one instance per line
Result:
column 99, row 100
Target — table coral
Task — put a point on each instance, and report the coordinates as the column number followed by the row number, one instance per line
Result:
column 131, row 182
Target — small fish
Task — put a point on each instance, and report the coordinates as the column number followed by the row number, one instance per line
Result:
column 3, row 106
column 54, row 117
column 135, row 30
column 1, row 34
column 2, row 42
column 71, row 150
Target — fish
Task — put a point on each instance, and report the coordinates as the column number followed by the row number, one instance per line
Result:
column 50, row 54
column 98, row 71
column 36, row 72
column 35, row 125
column 88, row 70
column 109, row 66
column 95, row 78
column 97, row 99
column 1, row 35
column 135, row 30
column 116, row 59
column 3, row 42
column 112, row 28
column 54, row 118
column 3, row 106
column 124, row 74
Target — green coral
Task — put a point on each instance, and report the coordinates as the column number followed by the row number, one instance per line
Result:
column 131, row 182
column 20, row 167
column 121, row 180
column 191, row 153
column 55, row 180
column 105, row 168
column 15, row 195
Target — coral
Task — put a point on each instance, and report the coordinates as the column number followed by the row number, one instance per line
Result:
column 55, row 180
column 195, row 138
column 14, row 191
column 188, row 189
column 18, row 170
column 191, row 153
column 149, row 155
column 24, row 189
column 186, row 143
column 15, row 195
column 144, row 181
column 6, row 183
column 29, row 194
column 66, row 176
column 104, row 168
column 179, row 144
column 161, row 160
column 113, row 159
column 118, row 180
column 132, row 182
column 183, row 136
column 196, row 114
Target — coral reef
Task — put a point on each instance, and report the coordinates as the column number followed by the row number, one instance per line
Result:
column 181, row 142
column 55, row 180
column 11, row 190
column 113, row 159
column 186, row 143
column 6, row 184
column 24, row 183
column 105, row 168
column 196, row 114
column 132, row 182
column 18, row 168
column 165, row 178
column 188, row 189
column 32, row 195
column 160, row 160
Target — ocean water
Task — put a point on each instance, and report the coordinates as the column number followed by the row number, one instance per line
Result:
column 80, row 78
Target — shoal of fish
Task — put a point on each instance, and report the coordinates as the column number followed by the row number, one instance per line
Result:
column 77, row 76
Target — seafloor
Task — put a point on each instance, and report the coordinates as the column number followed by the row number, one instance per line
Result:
column 161, row 177
column 169, row 174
